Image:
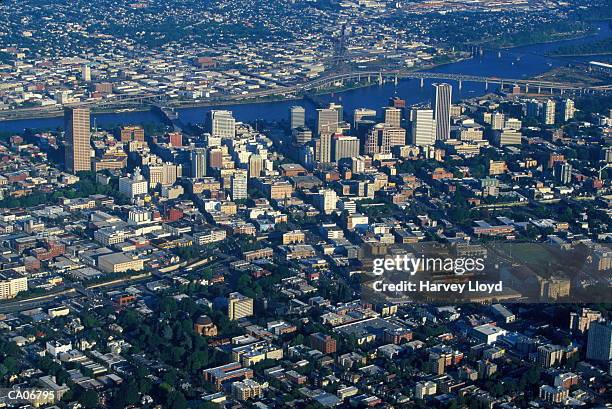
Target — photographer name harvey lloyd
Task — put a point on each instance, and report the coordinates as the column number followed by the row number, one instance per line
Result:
column 410, row 265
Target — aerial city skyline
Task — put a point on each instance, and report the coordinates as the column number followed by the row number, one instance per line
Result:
column 305, row 204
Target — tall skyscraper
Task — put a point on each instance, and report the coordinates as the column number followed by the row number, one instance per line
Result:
column 239, row 185
column 78, row 147
column 382, row 138
column 255, row 166
column 393, row 117
column 297, row 116
column 344, row 147
column 441, row 106
column 198, row 163
column 86, row 73
column 568, row 110
column 599, row 343
column 222, row 124
column 533, row 109
column 323, row 148
column 549, row 112
column 497, row 121
column 423, row 127
column 563, row 172
column 329, row 118
column 301, row 135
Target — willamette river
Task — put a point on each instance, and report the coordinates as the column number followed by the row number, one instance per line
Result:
column 517, row 63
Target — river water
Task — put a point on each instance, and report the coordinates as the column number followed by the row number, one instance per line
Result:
column 516, row 63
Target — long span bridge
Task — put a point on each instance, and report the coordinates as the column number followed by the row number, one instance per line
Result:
column 160, row 102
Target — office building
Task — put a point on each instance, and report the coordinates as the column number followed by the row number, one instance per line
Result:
column 199, row 159
column 568, row 110
column 382, row 138
column 323, row 342
column 328, row 119
column 131, row 133
column 423, row 127
column 78, row 147
column 239, row 306
column 175, row 139
column 393, row 117
column 255, row 166
column 506, row 137
column 361, row 114
column 424, row 389
column 86, row 73
column 302, row 135
column 245, row 390
column 222, row 124
column 563, row 172
column 497, row 121
column 533, row 109
column 239, row 185
column 441, row 106
column 599, row 343
column 344, row 147
column 133, row 185
column 323, row 148
column 297, row 117
column 548, row 113
column 581, row 322
column 162, row 173
column 12, row 283
column 326, row 200
column 549, row 355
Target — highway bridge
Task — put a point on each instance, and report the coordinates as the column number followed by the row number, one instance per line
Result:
column 318, row 84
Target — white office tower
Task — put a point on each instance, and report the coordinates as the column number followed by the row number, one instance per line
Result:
column 134, row 185
column 568, row 110
column 239, row 185
column 549, row 112
column 86, row 73
column 497, row 121
column 223, row 124
column 423, row 127
column 441, row 105
column 328, row 119
column 344, row 147
column 297, row 117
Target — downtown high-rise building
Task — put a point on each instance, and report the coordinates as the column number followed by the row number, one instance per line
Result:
column 256, row 164
column 297, row 117
column 344, row 147
column 441, row 105
column 222, row 124
column 198, row 163
column 382, row 138
column 78, row 147
column 239, row 185
column 328, row 119
column 86, row 73
column 423, row 127
column 323, row 148
column 393, row 117
column 549, row 112
column 568, row 110
column 599, row 342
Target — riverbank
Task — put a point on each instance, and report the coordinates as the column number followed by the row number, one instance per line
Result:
column 40, row 113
